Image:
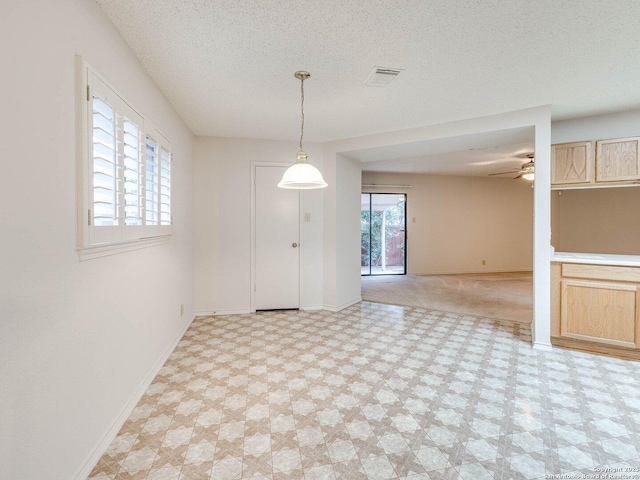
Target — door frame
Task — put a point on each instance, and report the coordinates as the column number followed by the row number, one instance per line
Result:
column 252, row 286
column 406, row 234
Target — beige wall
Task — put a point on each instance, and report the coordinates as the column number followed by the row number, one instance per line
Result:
column 603, row 220
column 456, row 222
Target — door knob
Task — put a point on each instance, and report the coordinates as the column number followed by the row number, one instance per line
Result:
column 294, row 244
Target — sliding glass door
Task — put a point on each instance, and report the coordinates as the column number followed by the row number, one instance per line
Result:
column 383, row 223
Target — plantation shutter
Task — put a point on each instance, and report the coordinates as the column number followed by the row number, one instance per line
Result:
column 115, row 167
column 133, row 171
column 125, row 172
column 151, row 182
column 165, row 187
column 104, row 169
column 157, row 183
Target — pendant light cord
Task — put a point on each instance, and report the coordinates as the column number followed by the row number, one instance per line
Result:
column 302, row 110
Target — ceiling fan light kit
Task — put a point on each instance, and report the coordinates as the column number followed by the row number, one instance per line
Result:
column 527, row 170
column 302, row 175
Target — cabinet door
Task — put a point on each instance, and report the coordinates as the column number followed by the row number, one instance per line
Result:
column 600, row 312
column 572, row 163
column 617, row 160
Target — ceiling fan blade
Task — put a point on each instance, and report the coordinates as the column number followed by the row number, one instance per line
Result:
column 515, row 178
column 504, row 173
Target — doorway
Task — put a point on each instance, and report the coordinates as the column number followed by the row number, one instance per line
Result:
column 276, row 251
column 383, row 225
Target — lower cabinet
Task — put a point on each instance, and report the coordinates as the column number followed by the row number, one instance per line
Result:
column 599, row 312
column 596, row 303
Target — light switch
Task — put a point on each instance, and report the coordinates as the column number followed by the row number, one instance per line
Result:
column 307, row 217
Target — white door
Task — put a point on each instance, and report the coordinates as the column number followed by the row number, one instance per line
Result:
column 277, row 259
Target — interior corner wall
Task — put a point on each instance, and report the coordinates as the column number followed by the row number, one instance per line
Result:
column 597, row 127
column 348, row 181
column 79, row 339
column 222, row 209
column 454, row 223
column 329, row 232
column 341, row 247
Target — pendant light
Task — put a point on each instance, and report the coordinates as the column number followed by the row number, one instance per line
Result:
column 302, row 175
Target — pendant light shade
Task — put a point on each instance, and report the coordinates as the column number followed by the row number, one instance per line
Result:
column 302, row 175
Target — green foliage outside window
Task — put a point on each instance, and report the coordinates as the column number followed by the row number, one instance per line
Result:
column 371, row 247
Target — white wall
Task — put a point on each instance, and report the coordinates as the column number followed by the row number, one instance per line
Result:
column 222, row 202
column 341, row 231
column 347, row 239
column 78, row 338
column 597, row 127
column 460, row 221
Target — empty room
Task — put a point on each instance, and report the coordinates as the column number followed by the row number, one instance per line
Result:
column 455, row 224
column 183, row 253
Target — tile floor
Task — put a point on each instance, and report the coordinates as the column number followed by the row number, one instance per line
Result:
column 380, row 392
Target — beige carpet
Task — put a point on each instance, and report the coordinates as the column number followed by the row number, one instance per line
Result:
column 506, row 296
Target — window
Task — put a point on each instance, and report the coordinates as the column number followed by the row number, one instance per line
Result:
column 151, row 217
column 165, row 187
column 125, row 171
column 157, row 181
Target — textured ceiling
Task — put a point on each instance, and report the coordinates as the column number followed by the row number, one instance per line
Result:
column 476, row 155
column 227, row 66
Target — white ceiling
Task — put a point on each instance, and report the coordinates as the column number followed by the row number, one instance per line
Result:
column 227, row 66
column 469, row 155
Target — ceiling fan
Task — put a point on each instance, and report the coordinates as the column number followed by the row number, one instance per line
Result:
column 526, row 171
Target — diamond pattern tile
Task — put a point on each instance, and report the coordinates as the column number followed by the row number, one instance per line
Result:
column 375, row 392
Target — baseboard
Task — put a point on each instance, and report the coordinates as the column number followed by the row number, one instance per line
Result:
column 544, row 346
column 309, row 308
column 475, row 272
column 342, row 306
column 596, row 348
column 212, row 313
column 232, row 312
column 111, row 433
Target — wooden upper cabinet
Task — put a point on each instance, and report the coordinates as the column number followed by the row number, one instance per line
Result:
column 572, row 163
column 617, row 160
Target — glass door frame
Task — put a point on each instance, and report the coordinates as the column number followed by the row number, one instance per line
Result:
column 404, row 271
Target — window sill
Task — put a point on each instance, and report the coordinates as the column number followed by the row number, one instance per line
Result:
column 104, row 250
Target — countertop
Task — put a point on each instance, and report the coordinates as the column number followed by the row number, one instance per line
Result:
column 596, row 259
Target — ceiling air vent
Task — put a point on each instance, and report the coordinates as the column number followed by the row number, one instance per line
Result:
column 381, row 76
